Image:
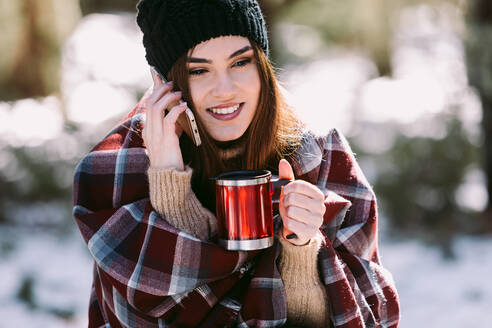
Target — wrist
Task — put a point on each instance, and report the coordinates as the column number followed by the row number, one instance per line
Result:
column 170, row 180
column 316, row 239
column 167, row 162
column 297, row 259
column 165, row 167
column 294, row 240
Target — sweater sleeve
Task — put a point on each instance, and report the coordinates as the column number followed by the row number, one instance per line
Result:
column 172, row 197
column 307, row 302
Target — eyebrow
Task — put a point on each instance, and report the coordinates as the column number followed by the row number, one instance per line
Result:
column 208, row 61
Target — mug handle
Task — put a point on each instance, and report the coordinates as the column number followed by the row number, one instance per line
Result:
column 276, row 184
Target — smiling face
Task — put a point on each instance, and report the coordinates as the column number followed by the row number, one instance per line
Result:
column 224, row 85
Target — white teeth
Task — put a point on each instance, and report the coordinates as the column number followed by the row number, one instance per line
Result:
column 227, row 110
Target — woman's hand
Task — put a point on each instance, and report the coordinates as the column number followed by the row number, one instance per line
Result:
column 301, row 206
column 161, row 134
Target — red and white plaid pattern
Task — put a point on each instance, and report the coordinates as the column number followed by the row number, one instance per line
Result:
column 148, row 273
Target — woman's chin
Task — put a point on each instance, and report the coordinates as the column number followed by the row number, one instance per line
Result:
column 228, row 137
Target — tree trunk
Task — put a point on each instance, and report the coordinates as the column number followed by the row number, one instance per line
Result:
column 93, row 6
column 32, row 37
column 479, row 59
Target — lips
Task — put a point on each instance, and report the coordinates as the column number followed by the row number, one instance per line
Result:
column 226, row 117
column 225, row 105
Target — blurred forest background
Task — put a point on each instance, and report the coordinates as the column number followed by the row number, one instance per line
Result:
column 409, row 82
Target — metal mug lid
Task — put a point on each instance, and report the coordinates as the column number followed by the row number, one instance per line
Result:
column 243, row 178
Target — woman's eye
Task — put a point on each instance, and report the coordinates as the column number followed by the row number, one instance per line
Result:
column 243, row 62
column 197, row 72
column 239, row 63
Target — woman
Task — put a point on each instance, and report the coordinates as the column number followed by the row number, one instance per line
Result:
column 145, row 206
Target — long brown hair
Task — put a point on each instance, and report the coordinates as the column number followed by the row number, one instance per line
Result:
column 274, row 133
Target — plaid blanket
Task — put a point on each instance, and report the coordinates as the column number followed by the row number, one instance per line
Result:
column 148, row 273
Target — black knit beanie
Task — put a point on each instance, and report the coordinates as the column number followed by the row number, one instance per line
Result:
column 171, row 27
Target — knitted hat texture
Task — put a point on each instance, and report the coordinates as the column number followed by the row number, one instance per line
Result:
column 171, row 27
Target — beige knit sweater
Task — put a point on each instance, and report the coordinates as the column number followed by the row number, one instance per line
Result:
column 307, row 304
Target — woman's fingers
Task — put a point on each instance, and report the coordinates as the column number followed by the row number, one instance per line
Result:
column 158, row 111
column 303, row 231
column 306, row 202
column 159, row 91
column 165, row 103
column 302, row 209
column 303, row 215
column 153, row 113
column 169, row 100
column 305, row 188
column 155, row 77
column 298, row 220
column 169, row 122
column 161, row 133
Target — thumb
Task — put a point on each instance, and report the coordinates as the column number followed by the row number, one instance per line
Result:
column 285, row 170
column 155, row 77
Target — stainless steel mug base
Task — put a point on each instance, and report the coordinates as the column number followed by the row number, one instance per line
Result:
column 246, row 245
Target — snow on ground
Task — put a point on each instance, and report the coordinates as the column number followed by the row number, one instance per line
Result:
column 53, row 271
column 434, row 292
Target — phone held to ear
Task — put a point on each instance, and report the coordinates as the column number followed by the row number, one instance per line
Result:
column 186, row 120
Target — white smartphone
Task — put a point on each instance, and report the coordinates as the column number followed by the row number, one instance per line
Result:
column 186, row 120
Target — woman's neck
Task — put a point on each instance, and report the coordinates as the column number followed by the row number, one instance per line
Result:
column 231, row 148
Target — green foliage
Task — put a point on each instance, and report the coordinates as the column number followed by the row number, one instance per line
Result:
column 34, row 178
column 479, row 68
column 92, row 6
column 33, row 32
column 25, row 293
column 363, row 24
column 417, row 182
column 39, row 178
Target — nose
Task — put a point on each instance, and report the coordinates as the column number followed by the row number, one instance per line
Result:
column 224, row 87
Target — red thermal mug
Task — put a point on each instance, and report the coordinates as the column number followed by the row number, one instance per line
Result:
column 244, row 208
